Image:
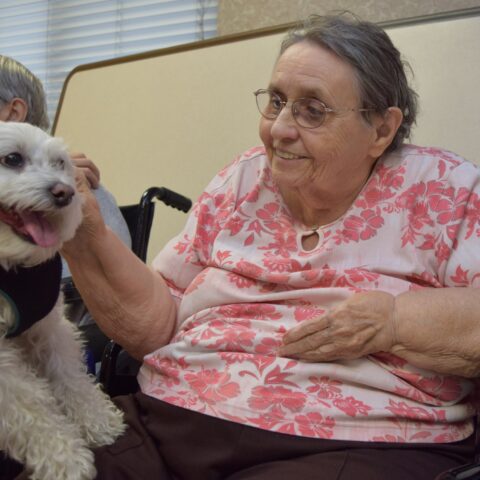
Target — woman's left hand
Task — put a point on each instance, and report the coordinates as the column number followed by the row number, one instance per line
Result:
column 362, row 324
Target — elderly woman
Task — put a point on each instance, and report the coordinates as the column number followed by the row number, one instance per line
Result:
column 319, row 315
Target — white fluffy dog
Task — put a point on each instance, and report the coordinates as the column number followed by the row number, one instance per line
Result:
column 51, row 411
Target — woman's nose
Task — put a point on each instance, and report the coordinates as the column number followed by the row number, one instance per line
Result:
column 284, row 126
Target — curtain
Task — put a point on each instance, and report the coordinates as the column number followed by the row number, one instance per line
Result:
column 51, row 37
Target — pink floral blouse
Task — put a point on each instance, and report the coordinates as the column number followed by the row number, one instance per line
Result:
column 242, row 279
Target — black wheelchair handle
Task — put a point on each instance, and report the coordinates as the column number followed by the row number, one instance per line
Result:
column 168, row 197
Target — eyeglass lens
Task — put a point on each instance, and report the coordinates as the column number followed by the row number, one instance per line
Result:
column 308, row 112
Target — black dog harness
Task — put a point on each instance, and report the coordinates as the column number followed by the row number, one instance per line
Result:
column 32, row 292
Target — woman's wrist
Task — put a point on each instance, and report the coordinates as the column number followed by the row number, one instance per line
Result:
column 86, row 243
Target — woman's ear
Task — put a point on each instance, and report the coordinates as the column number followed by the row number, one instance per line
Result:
column 14, row 111
column 386, row 126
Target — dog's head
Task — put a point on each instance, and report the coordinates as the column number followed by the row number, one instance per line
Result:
column 39, row 206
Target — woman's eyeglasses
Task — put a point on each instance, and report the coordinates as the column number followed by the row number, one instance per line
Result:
column 307, row 112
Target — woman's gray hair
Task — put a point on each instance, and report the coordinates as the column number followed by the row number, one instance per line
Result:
column 16, row 81
column 378, row 65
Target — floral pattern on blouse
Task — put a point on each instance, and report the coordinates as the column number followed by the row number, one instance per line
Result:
column 241, row 279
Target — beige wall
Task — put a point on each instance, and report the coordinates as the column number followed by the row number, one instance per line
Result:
column 170, row 118
column 242, row 15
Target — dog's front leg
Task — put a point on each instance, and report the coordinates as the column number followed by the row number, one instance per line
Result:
column 33, row 430
column 83, row 401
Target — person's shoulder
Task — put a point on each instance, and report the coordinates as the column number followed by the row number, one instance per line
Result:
column 104, row 197
column 246, row 165
column 107, row 203
column 248, row 160
column 428, row 154
column 239, row 177
column 112, row 214
column 436, row 160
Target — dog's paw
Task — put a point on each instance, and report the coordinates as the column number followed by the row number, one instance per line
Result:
column 108, row 427
column 82, row 468
column 78, row 465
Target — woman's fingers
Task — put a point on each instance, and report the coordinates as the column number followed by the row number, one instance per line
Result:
column 361, row 325
column 90, row 170
column 307, row 336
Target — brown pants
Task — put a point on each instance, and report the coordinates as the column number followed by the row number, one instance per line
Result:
column 168, row 442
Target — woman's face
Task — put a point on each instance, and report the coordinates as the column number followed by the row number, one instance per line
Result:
column 329, row 163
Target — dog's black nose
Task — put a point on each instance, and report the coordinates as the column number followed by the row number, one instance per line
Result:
column 62, row 194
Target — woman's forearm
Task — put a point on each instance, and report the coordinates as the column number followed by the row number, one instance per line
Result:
column 130, row 302
column 439, row 330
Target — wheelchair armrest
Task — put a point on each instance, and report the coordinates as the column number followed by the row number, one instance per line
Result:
column 470, row 471
column 118, row 380
column 70, row 292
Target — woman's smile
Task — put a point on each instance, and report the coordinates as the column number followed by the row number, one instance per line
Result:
column 287, row 155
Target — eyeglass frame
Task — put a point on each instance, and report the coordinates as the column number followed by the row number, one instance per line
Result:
column 284, row 103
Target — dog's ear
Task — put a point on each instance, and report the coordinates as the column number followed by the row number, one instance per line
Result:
column 14, row 111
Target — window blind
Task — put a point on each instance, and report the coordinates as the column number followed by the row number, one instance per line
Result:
column 51, row 37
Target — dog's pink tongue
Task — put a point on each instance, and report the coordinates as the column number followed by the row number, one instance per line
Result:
column 39, row 229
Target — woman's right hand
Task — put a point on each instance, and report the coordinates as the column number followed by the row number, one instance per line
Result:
column 90, row 170
column 93, row 225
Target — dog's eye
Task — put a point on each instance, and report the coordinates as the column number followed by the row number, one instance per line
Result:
column 12, row 160
column 59, row 163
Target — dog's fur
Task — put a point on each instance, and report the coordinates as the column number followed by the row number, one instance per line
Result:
column 51, row 411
